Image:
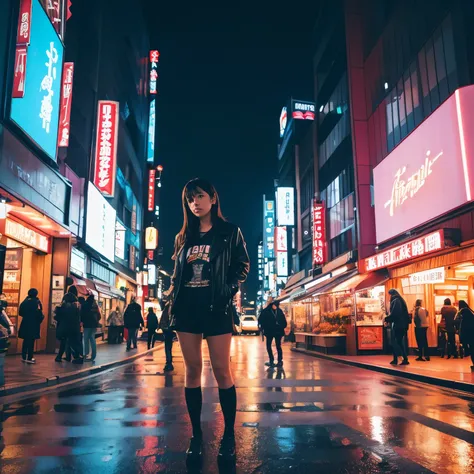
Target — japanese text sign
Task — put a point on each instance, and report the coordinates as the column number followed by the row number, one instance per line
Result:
column 401, row 253
column 319, row 233
column 106, row 146
column 151, row 189
column 268, row 228
column 151, row 132
column 24, row 23
column 409, row 184
column 281, row 239
column 154, row 58
column 37, row 88
column 66, row 101
column 286, row 206
column 432, row 276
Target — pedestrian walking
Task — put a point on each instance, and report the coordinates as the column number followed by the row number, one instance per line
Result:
column 448, row 314
column 465, row 319
column 400, row 319
column 90, row 316
column 64, row 334
column 115, row 323
column 152, row 326
column 421, row 330
column 133, row 320
column 168, row 333
column 210, row 261
column 31, row 310
column 272, row 320
column 68, row 328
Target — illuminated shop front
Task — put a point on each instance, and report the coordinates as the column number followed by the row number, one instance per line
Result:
column 339, row 312
column 423, row 199
column 35, row 251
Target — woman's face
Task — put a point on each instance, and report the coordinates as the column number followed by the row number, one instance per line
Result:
column 201, row 204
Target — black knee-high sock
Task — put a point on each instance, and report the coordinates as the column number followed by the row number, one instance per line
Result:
column 228, row 399
column 194, row 404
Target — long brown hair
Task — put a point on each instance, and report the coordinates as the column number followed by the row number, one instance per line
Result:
column 191, row 222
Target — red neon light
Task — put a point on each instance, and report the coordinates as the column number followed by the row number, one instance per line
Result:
column 24, row 23
column 319, row 233
column 154, row 56
column 412, row 249
column 66, row 100
column 151, row 189
column 106, row 146
column 19, row 72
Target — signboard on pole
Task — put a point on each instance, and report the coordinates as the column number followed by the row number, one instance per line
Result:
column 106, row 146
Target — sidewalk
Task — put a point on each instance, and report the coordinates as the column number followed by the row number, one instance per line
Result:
column 20, row 377
column 452, row 373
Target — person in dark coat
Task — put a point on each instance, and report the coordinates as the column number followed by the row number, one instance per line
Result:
column 465, row 321
column 133, row 320
column 90, row 317
column 68, row 329
column 399, row 318
column 31, row 310
column 448, row 314
column 152, row 326
column 272, row 320
column 168, row 333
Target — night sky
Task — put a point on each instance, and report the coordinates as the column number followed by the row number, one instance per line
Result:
column 224, row 75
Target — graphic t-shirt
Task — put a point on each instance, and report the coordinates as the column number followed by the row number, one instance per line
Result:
column 197, row 271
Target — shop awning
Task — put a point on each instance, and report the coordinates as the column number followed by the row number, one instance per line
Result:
column 326, row 286
column 287, row 297
column 85, row 287
column 106, row 290
column 362, row 282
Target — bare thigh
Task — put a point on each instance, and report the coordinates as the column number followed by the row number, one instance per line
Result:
column 219, row 351
column 191, row 348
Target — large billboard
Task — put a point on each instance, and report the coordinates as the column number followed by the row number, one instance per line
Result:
column 38, row 68
column 430, row 173
column 100, row 225
column 286, row 206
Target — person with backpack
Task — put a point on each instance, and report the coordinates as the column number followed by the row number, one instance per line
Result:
column 400, row 319
column 68, row 328
column 465, row 322
column 90, row 317
column 31, row 310
column 133, row 320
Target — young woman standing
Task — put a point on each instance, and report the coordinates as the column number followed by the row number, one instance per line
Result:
column 211, row 260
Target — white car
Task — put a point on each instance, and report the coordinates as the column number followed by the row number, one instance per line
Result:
column 249, row 324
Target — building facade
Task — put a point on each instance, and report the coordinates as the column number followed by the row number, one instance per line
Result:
column 73, row 153
column 393, row 100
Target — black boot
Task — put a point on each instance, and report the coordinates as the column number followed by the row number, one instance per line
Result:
column 227, row 448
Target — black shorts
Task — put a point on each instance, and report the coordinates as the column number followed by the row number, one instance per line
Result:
column 202, row 321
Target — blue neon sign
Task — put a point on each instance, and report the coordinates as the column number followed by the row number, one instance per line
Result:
column 151, row 133
column 37, row 113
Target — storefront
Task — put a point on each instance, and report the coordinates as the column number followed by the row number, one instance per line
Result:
column 33, row 259
column 423, row 200
column 340, row 314
column 447, row 272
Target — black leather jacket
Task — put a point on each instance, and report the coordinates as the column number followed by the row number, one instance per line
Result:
column 229, row 267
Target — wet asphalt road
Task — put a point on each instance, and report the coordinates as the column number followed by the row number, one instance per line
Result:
column 313, row 416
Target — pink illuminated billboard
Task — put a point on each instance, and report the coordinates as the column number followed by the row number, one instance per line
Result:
column 429, row 173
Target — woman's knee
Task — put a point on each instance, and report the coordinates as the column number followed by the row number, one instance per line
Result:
column 193, row 370
column 223, row 376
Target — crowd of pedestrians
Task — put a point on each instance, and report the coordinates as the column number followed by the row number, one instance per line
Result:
column 455, row 329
